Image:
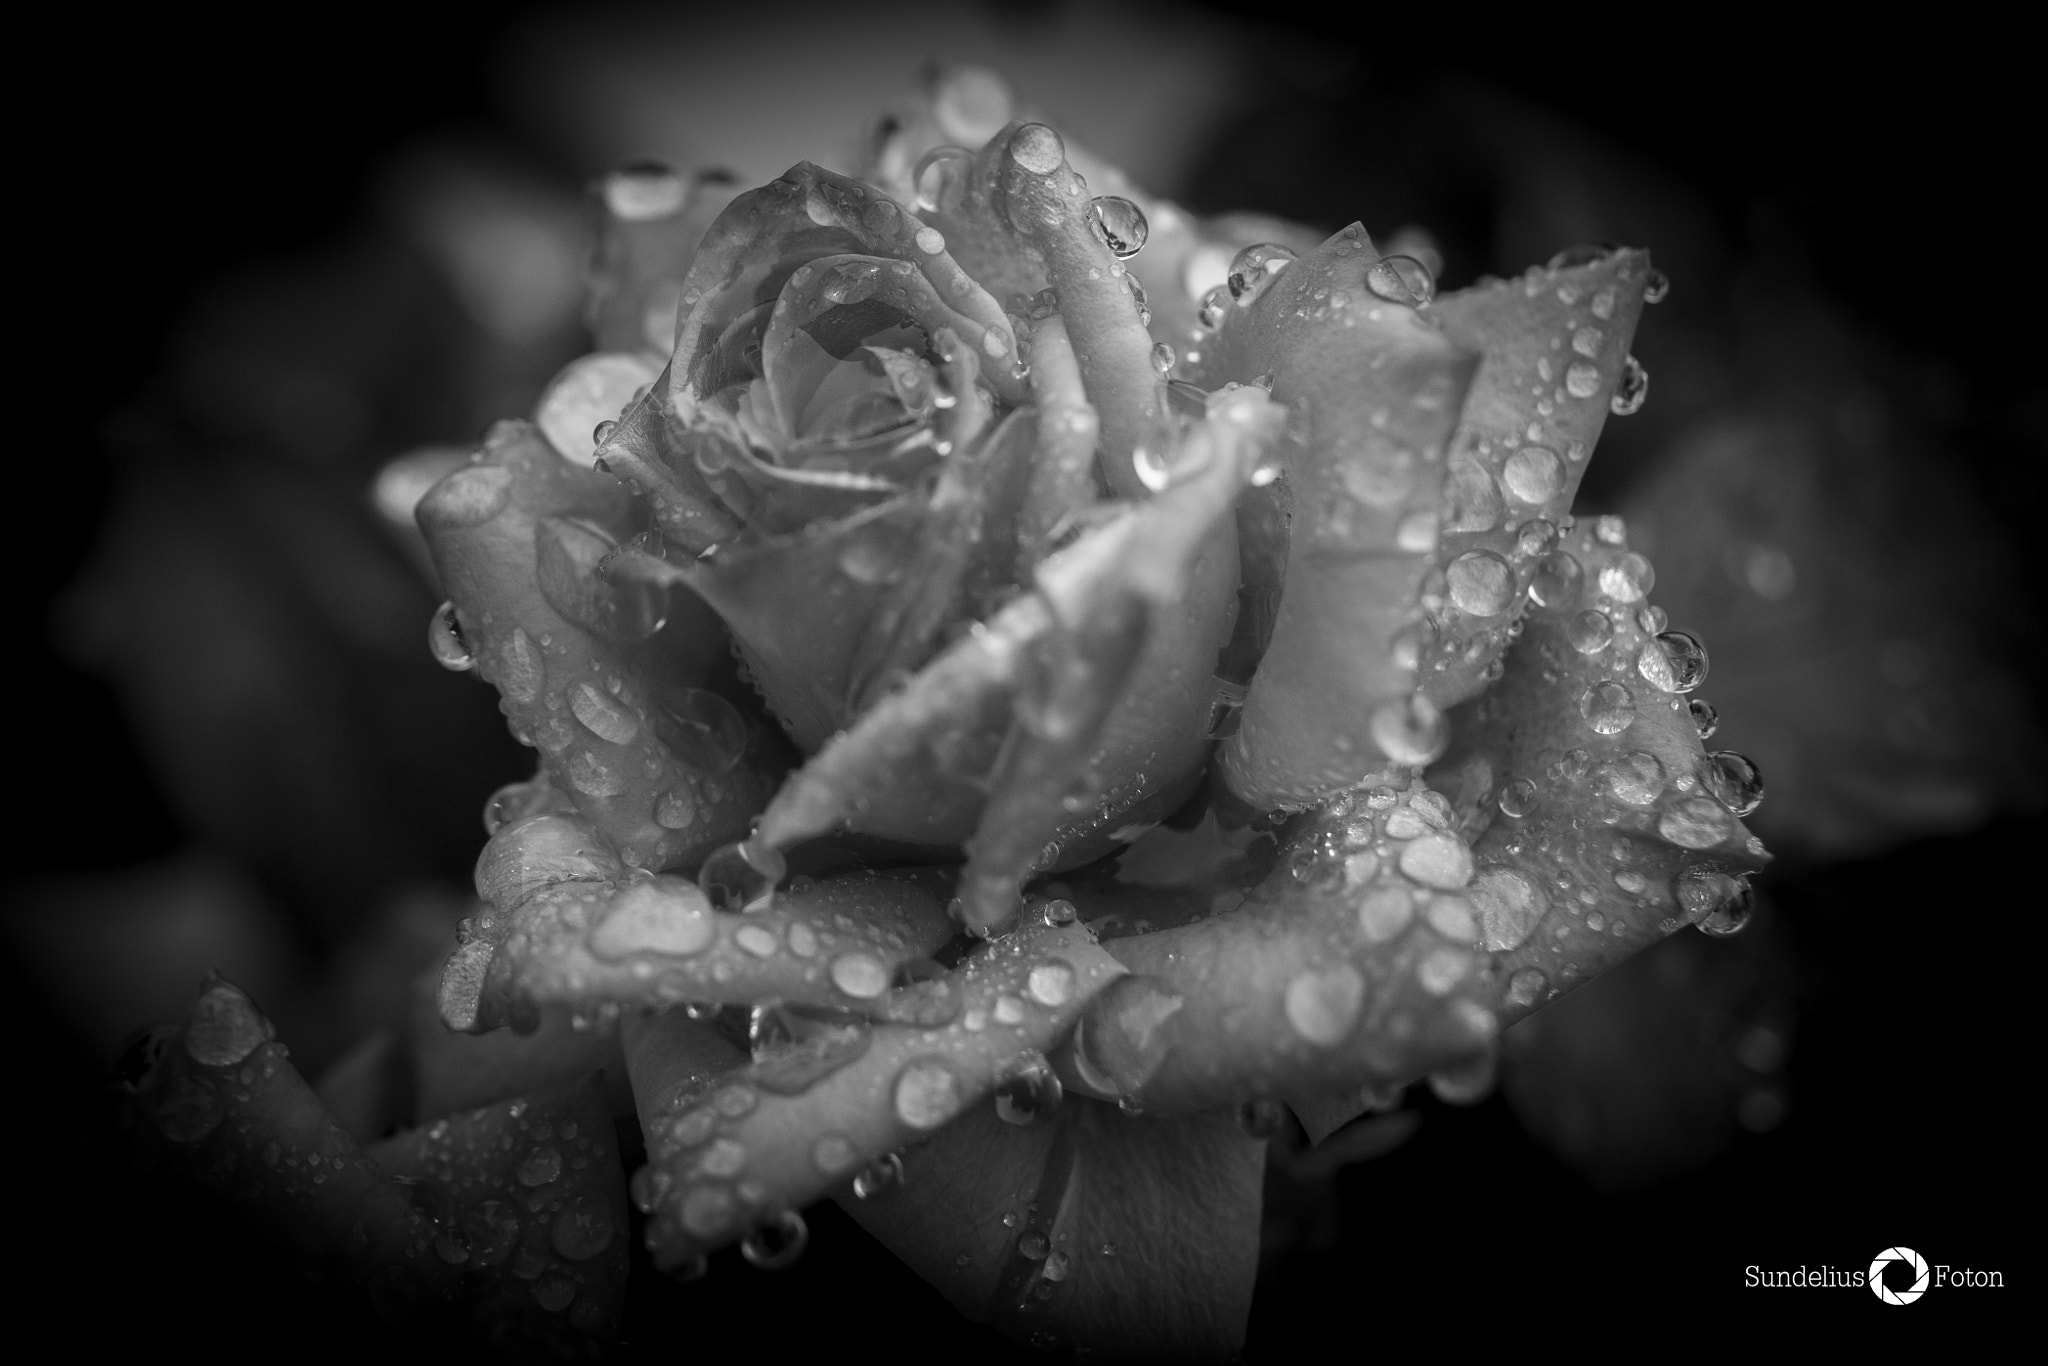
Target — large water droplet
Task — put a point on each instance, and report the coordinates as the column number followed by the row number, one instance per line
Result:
column 1680, row 662
column 1695, row 823
column 776, row 1243
column 540, row 1166
column 1527, row 986
column 1518, row 798
column 1051, row 983
column 1252, row 269
column 602, row 714
column 1038, row 149
column 444, row 639
column 1119, row 224
column 1631, row 390
column 1704, row 892
column 1590, row 632
column 1636, row 777
column 701, row 728
column 928, row 1093
column 225, row 1026
column 1608, row 707
column 1480, row 583
column 1410, row 730
column 1323, row 1004
column 1628, row 579
column 1732, row 915
column 1731, row 779
column 879, row 1177
column 1533, row 474
column 1029, row 1093
column 1555, row 583
column 1401, row 280
column 938, row 173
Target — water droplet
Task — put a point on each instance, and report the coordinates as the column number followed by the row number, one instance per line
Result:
column 833, row 1154
column 1655, row 287
column 1704, row 718
column 1401, row 280
column 225, row 1026
column 1652, row 618
column 675, row 809
column 1410, row 731
column 938, row 171
column 1057, row 1264
column 1033, row 1245
column 1582, row 380
column 1481, row 583
column 1030, row 1093
column 1533, row 474
column 1164, row 357
column 1535, row 537
column 1518, row 798
column 1732, row 915
column 860, row 975
column 583, row 1228
column 778, row 1242
column 740, row 877
column 491, row 1228
column 444, row 639
column 1252, row 269
column 1471, row 498
column 665, row 916
column 1440, row 861
column 879, row 1178
column 1675, row 661
column 1038, row 149
column 1059, row 911
column 1527, row 986
column 1608, row 707
column 602, row 714
column 927, row 1092
column 1119, row 224
column 1731, row 779
column 1702, row 892
column 1631, row 390
column 1574, row 764
column 757, row 940
column 1695, row 823
column 1051, row 983
column 540, row 1166
column 1467, row 1082
column 1590, row 632
column 1636, row 777
column 1261, row 1118
column 701, row 728
column 1628, row 579
column 1121, row 1038
column 641, row 191
column 1554, row 586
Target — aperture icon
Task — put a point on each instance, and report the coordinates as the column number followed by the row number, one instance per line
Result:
column 1913, row 1260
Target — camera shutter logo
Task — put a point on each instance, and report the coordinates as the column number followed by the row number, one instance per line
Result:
column 1910, row 1258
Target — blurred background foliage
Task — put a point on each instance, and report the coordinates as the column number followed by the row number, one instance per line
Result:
column 284, row 259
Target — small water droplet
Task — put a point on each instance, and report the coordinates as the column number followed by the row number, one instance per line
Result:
column 879, row 1178
column 540, row 1166
column 1051, row 983
column 1057, row 1264
column 1253, row 269
column 1704, row 718
column 740, row 877
column 1518, row 798
column 1059, row 911
column 1029, row 1093
column 1695, row 823
column 776, row 1243
column 1636, row 777
column 1702, row 893
column 1164, row 358
column 1033, row 1245
column 1535, row 537
column 860, row 975
column 1628, row 579
column 1631, row 390
column 1590, row 632
column 1656, row 286
column 927, row 1093
column 1038, row 149
column 1119, row 224
column 445, row 640
column 583, row 1228
column 225, row 1026
column 1608, row 707
column 937, row 173
column 1322, row 1004
column 1533, row 474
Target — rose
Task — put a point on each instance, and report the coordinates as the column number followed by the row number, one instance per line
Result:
column 1329, row 921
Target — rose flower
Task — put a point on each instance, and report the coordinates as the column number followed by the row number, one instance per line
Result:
column 1027, row 685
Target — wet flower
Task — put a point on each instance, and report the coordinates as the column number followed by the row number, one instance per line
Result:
column 1165, row 677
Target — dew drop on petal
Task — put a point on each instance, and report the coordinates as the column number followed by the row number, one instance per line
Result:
column 1628, row 579
column 1038, row 149
column 1533, row 474
column 602, row 714
column 1051, row 984
column 1636, row 777
column 1701, row 892
column 1526, row 987
column 1410, row 731
column 444, row 640
column 1518, row 798
column 776, row 1243
column 1164, row 358
column 1535, row 537
column 879, row 1178
column 540, row 1166
column 1252, row 269
column 1029, row 1093
column 582, row 1229
column 1688, row 659
column 1731, row 779
column 860, row 975
column 1696, row 823
column 1705, row 719
column 1556, row 581
column 1590, row 632
column 1608, row 707
column 1322, row 1004
column 1215, row 306
column 927, row 1093
column 833, row 1154
column 1481, row 583
column 1401, row 280
column 702, row 729
column 1119, row 224
column 937, row 172
column 1582, row 380
column 225, row 1026
column 1631, row 390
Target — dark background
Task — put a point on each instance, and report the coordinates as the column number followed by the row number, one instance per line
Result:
column 176, row 150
